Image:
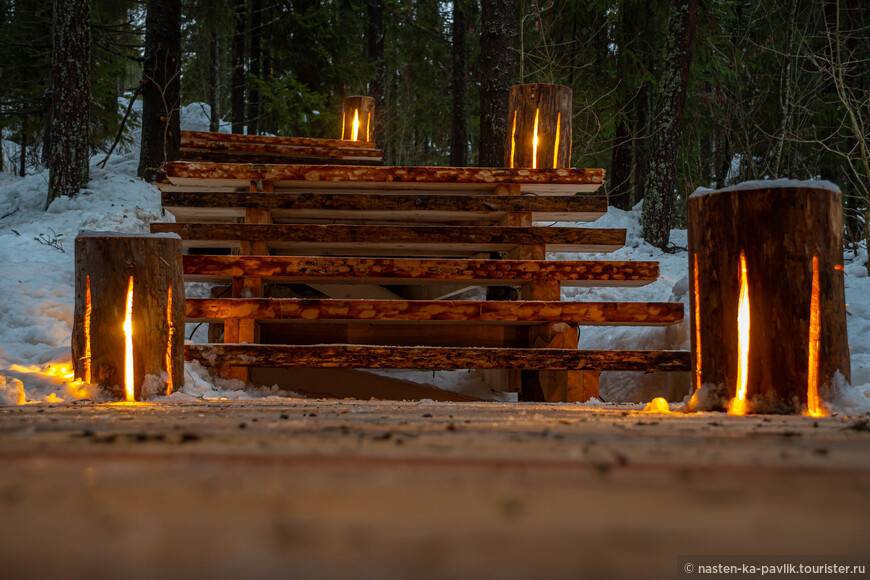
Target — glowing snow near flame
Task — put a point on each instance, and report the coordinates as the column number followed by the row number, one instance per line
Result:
column 128, row 333
column 657, row 405
column 62, row 372
column 355, row 133
column 814, row 405
column 738, row 403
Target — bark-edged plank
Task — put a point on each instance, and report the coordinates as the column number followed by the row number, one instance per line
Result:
column 494, row 312
column 436, row 358
column 276, row 140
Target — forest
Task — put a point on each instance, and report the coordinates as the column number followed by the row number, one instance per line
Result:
column 667, row 95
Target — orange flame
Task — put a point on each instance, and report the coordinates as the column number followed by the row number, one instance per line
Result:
column 738, row 403
column 171, row 328
column 556, row 146
column 698, row 377
column 355, row 133
column 535, row 142
column 368, row 125
column 87, row 359
column 343, row 121
column 128, row 333
column 513, row 139
column 814, row 405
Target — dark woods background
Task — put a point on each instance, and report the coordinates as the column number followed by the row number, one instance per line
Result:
column 668, row 94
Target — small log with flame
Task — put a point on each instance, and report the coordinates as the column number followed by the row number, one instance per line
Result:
column 767, row 300
column 539, row 127
column 358, row 119
column 128, row 328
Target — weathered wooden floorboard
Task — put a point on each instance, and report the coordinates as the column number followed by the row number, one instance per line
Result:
column 435, row 358
column 420, row 271
column 489, row 238
column 325, row 177
column 474, row 311
column 193, row 205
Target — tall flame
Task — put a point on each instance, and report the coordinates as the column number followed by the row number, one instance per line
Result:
column 355, row 133
column 513, row 139
column 88, row 312
column 814, row 405
column 738, row 403
column 128, row 333
column 698, row 377
column 556, row 146
column 368, row 126
column 343, row 120
column 535, row 142
column 171, row 331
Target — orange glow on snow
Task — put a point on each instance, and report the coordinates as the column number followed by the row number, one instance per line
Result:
column 128, row 333
column 738, row 403
column 60, row 371
column 814, row 404
column 657, row 405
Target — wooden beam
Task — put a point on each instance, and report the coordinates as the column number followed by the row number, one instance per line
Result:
column 420, row 271
column 217, row 205
column 492, row 312
column 441, row 238
column 193, row 155
column 362, row 333
column 277, row 149
column 343, row 178
column 435, row 358
column 296, row 141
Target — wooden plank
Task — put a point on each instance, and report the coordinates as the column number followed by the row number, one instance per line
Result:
column 297, row 141
column 194, row 155
column 196, row 205
column 443, row 238
column 343, row 177
column 277, row 149
column 420, row 271
column 362, row 333
column 435, row 358
column 492, row 312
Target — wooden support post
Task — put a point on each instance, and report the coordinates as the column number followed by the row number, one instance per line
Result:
column 787, row 245
column 358, row 119
column 246, row 330
column 539, row 127
column 108, row 266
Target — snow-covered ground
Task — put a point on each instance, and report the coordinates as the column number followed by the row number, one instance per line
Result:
column 37, row 289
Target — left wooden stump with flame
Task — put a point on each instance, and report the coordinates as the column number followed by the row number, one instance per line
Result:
column 128, row 329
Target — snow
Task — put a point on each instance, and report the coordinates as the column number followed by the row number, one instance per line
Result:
column 36, row 282
column 770, row 184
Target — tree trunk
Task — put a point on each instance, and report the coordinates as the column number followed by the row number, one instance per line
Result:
column 106, row 263
column 375, row 49
column 459, row 135
column 667, row 123
column 22, row 158
column 497, row 70
column 539, row 126
column 161, row 103
column 70, row 76
column 213, row 96
column 797, row 331
column 254, row 68
column 237, row 90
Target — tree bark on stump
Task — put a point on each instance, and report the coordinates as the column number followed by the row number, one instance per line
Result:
column 791, row 239
column 538, row 113
column 363, row 110
column 105, row 263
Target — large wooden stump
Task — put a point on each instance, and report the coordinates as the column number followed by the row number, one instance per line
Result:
column 786, row 243
column 358, row 119
column 108, row 266
column 539, row 127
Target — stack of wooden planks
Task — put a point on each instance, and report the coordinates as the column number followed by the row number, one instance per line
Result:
column 374, row 267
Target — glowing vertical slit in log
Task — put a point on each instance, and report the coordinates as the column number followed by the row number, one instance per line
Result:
column 556, row 146
column 738, row 403
column 368, row 126
column 343, row 121
column 697, row 290
column 535, row 142
column 128, row 334
column 814, row 405
column 513, row 139
column 170, row 332
column 355, row 134
column 87, row 359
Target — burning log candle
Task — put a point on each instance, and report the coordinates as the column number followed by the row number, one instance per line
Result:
column 358, row 119
column 539, row 127
column 128, row 327
column 769, row 313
